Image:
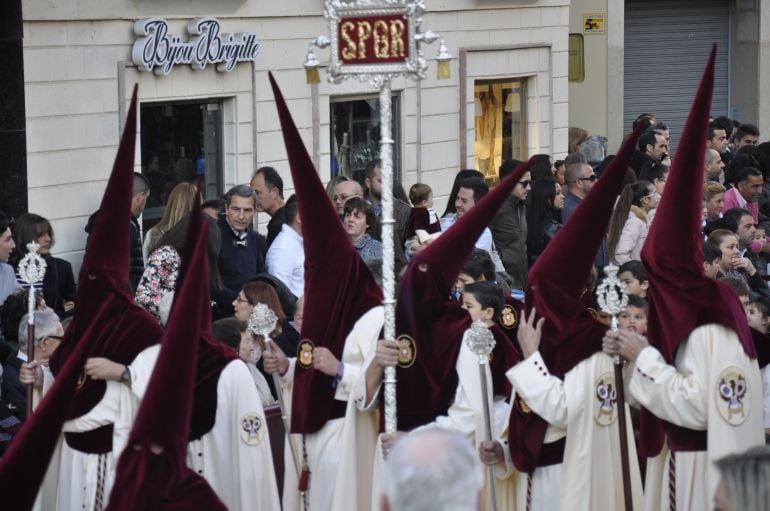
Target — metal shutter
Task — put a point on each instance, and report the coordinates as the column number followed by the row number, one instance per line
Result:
column 666, row 46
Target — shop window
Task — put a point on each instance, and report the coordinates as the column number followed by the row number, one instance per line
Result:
column 500, row 124
column 355, row 136
column 181, row 142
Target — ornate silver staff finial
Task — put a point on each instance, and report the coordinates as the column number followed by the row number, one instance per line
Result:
column 262, row 321
column 32, row 266
column 612, row 294
column 480, row 341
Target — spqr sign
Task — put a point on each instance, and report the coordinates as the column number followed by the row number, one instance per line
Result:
column 373, row 39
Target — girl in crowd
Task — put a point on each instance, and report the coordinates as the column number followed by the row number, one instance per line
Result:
column 59, row 281
column 629, row 223
column 732, row 264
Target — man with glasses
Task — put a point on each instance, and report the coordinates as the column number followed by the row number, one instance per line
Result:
column 580, row 179
column 242, row 252
column 343, row 191
column 509, row 228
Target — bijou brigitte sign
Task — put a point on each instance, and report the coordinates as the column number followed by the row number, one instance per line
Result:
column 159, row 51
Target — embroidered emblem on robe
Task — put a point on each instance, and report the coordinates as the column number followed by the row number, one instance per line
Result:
column 605, row 404
column 407, row 351
column 251, row 429
column 732, row 396
column 508, row 317
column 305, row 354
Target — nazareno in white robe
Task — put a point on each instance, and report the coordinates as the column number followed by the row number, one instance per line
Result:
column 584, row 404
column 234, row 456
column 465, row 415
column 73, row 477
column 340, row 454
column 713, row 386
column 512, row 484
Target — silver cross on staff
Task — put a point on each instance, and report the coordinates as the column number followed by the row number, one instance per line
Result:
column 31, row 271
column 612, row 296
column 481, row 342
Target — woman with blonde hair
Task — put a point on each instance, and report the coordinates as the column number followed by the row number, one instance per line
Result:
column 180, row 203
column 629, row 222
column 575, row 137
column 713, row 200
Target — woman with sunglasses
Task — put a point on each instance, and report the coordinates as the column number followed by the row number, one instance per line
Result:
column 629, row 223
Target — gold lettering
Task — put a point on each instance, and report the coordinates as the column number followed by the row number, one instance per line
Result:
column 364, row 33
column 349, row 51
column 396, row 38
column 381, row 45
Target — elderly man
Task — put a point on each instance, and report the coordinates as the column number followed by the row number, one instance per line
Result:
column 242, row 253
column 343, row 191
column 432, row 470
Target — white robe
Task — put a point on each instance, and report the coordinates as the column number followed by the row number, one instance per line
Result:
column 234, row 456
column 465, row 415
column 591, row 478
column 514, row 485
column 72, row 477
column 691, row 394
column 339, row 455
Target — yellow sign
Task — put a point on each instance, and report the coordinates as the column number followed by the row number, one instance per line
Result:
column 595, row 23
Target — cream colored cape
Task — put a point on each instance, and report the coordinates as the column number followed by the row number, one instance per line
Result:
column 714, row 387
column 584, row 402
column 340, row 454
column 234, row 456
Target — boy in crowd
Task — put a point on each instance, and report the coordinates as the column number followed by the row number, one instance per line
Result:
column 634, row 276
column 421, row 218
column 711, row 257
column 634, row 316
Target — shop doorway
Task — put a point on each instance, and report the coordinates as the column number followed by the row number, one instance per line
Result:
column 180, row 143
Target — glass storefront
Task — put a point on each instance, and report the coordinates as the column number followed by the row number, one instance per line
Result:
column 180, row 142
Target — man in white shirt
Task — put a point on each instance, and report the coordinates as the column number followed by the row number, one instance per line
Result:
column 471, row 191
column 286, row 256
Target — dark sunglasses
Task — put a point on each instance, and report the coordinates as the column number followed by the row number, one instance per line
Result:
column 525, row 183
column 592, row 177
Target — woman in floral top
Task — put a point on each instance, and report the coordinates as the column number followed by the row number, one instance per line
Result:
column 158, row 280
column 156, row 288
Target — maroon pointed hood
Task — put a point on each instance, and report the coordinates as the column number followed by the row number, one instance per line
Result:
column 152, row 472
column 339, row 288
column 25, row 463
column 425, row 312
column 558, row 279
column 125, row 328
column 556, row 285
column 681, row 298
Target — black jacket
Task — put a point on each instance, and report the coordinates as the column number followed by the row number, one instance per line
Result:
column 137, row 260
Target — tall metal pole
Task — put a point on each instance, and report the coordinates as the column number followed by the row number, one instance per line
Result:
column 388, row 252
column 31, row 270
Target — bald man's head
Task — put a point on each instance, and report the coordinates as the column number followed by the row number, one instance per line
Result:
column 344, row 191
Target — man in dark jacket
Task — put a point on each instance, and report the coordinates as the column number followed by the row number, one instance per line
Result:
column 138, row 201
column 509, row 228
column 242, row 253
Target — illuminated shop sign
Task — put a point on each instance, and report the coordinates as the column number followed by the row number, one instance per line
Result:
column 158, row 50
